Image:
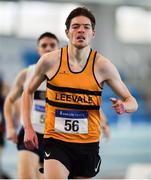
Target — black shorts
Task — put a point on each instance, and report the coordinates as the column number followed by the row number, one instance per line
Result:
column 39, row 151
column 81, row 160
column 2, row 141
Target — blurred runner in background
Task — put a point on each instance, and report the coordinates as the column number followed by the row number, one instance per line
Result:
column 29, row 160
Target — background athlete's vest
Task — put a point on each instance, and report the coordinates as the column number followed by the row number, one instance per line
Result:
column 38, row 107
column 73, row 103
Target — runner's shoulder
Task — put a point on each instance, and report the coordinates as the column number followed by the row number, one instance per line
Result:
column 51, row 57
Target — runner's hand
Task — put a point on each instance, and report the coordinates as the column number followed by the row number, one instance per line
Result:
column 106, row 131
column 30, row 139
column 11, row 135
column 117, row 105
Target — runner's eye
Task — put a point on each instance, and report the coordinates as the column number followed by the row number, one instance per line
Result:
column 44, row 45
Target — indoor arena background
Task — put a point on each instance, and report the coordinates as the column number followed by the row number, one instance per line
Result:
column 123, row 35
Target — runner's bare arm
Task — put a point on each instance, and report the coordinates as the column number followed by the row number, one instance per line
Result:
column 10, row 105
column 34, row 83
column 112, row 77
column 46, row 66
column 30, row 138
column 105, row 125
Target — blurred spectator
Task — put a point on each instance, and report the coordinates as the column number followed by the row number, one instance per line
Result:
column 4, row 88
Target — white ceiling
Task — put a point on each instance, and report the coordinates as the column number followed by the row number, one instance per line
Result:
column 145, row 3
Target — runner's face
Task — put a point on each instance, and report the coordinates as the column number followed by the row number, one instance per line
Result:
column 80, row 32
column 46, row 45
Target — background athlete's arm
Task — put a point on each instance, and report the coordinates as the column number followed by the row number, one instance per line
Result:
column 11, row 107
column 105, row 125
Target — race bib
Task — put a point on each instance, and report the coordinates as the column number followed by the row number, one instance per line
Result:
column 38, row 115
column 71, row 121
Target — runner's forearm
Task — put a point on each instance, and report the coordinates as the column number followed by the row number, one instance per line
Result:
column 130, row 105
column 8, row 113
column 26, row 108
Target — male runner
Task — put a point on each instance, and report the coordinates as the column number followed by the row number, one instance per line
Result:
column 75, row 76
column 29, row 160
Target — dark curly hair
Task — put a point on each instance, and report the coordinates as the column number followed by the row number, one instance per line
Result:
column 80, row 11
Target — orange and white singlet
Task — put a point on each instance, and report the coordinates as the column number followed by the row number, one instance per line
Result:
column 72, row 103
